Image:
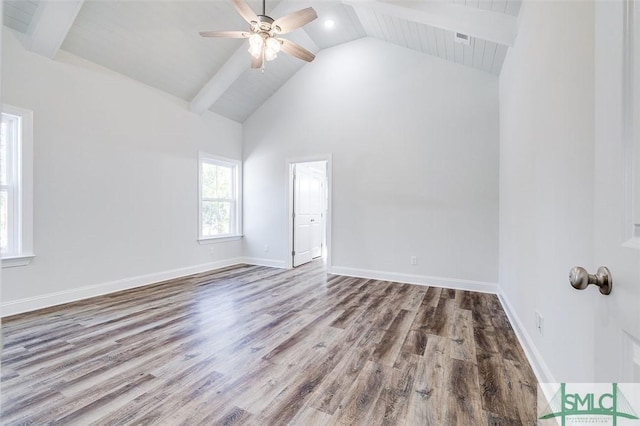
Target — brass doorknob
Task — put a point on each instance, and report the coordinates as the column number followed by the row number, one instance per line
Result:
column 580, row 279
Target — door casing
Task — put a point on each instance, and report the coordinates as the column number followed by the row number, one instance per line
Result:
column 289, row 165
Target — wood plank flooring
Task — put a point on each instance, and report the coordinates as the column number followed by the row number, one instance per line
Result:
column 250, row 345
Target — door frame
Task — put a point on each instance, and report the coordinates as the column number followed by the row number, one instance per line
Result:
column 289, row 164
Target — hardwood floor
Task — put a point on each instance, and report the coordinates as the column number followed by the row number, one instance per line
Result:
column 262, row 346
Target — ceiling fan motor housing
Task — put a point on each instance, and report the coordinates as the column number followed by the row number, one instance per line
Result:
column 264, row 24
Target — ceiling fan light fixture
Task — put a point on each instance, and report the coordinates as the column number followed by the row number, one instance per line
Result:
column 272, row 47
column 255, row 50
column 256, row 40
column 264, row 30
column 270, row 55
column 273, row 44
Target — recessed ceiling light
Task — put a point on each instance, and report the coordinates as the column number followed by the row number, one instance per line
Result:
column 329, row 23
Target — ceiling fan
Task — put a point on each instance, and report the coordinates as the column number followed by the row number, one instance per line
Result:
column 264, row 43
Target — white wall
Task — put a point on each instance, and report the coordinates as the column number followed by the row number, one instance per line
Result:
column 546, row 185
column 115, row 179
column 414, row 145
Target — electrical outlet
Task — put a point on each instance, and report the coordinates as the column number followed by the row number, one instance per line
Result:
column 266, row 248
column 414, row 260
column 212, row 252
column 540, row 323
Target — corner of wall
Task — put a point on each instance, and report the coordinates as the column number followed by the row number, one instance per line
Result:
column 537, row 362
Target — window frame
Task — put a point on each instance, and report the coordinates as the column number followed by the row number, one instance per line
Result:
column 236, row 202
column 21, row 186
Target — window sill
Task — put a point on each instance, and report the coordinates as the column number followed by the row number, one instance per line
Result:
column 13, row 261
column 214, row 240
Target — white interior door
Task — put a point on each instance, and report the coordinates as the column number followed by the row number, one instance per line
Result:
column 617, row 198
column 301, row 215
column 316, row 201
column 308, row 205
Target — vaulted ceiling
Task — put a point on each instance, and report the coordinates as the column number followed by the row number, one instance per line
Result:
column 157, row 43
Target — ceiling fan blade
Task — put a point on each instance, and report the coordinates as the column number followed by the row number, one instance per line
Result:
column 257, row 62
column 245, row 11
column 227, row 34
column 296, row 50
column 294, row 20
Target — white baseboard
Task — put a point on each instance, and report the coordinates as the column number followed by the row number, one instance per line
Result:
column 538, row 364
column 273, row 263
column 52, row 299
column 458, row 284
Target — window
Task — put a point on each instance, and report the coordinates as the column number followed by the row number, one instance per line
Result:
column 220, row 198
column 16, row 174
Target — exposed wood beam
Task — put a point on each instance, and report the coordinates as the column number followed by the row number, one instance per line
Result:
column 239, row 62
column 51, row 24
column 487, row 25
column 220, row 82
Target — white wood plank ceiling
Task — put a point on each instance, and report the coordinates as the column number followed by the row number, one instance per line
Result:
column 18, row 14
column 481, row 54
column 157, row 42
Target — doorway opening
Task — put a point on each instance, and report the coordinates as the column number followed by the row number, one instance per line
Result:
column 309, row 211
